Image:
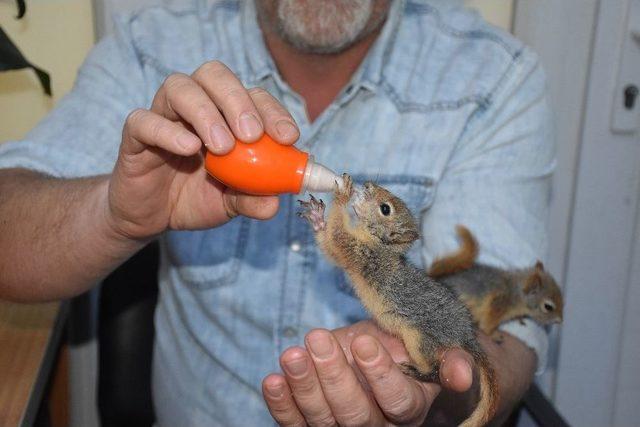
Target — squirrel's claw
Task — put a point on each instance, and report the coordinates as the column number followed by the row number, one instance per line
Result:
column 313, row 211
column 343, row 193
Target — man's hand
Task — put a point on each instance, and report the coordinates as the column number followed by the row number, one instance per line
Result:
column 60, row 236
column 514, row 363
column 350, row 377
column 355, row 381
column 159, row 182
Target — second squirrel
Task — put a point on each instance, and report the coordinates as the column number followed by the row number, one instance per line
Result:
column 494, row 295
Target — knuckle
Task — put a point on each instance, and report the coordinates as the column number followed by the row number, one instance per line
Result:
column 379, row 372
column 135, row 117
column 204, row 111
column 399, row 408
column 304, row 388
column 332, row 376
column 358, row 418
column 213, row 68
column 286, row 417
column 274, row 111
column 324, row 420
column 266, row 102
column 175, row 81
column 258, row 92
column 156, row 129
column 235, row 92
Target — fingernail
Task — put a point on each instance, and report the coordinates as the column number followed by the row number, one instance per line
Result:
column 286, row 130
column 220, row 138
column 367, row 349
column 296, row 367
column 249, row 126
column 187, row 141
column 276, row 390
column 321, row 345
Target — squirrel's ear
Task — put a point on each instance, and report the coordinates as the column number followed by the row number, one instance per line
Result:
column 533, row 283
column 539, row 265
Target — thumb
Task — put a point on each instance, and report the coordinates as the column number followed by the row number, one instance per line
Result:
column 456, row 370
column 257, row 207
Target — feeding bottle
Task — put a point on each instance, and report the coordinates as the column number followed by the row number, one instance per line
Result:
column 265, row 168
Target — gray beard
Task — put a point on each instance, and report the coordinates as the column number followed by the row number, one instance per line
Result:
column 323, row 26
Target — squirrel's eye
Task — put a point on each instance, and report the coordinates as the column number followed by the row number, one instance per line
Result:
column 548, row 306
column 385, row 209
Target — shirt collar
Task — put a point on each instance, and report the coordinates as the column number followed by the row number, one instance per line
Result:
column 368, row 74
column 371, row 68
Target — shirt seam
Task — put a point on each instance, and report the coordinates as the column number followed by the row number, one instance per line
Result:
column 442, row 105
column 425, row 9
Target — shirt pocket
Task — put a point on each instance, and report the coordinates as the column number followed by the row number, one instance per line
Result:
column 415, row 190
column 211, row 258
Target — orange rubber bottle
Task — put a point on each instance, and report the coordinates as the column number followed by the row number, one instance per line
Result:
column 265, row 168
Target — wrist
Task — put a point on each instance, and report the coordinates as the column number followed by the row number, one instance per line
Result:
column 112, row 227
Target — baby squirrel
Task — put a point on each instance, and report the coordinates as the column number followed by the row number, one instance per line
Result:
column 405, row 302
column 495, row 296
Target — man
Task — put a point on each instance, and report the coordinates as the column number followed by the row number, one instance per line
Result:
column 422, row 96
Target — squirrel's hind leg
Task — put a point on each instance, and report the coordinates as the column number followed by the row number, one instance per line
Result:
column 424, row 365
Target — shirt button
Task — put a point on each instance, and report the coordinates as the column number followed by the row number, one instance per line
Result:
column 295, row 246
column 290, row 332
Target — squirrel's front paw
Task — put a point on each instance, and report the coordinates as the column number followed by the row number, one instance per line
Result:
column 343, row 192
column 313, row 211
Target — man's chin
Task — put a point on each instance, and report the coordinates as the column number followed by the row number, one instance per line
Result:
column 312, row 47
column 323, row 27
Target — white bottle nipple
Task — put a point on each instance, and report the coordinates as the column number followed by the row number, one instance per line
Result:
column 319, row 178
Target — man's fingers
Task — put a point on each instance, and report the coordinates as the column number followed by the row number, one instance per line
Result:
column 305, row 386
column 349, row 402
column 280, row 402
column 401, row 399
column 231, row 98
column 277, row 121
column 456, row 372
column 257, row 207
column 144, row 129
column 181, row 98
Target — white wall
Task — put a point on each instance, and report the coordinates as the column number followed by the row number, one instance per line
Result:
column 596, row 210
column 597, row 343
column 498, row 12
column 55, row 36
column 561, row 33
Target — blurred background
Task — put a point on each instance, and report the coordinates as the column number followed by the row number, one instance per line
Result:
column 591, row 51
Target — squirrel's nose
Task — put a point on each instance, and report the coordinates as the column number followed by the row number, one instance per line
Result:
column 368, row 185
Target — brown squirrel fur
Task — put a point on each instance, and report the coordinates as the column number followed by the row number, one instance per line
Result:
column 462, row 259
column 405, row 302
column 494, row 295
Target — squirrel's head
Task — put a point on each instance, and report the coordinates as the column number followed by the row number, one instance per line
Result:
column 542, row 295
column 385, row 216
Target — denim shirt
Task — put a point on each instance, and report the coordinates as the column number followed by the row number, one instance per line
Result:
column 446, row 111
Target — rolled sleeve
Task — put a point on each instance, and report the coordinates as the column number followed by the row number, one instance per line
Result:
column 498, row 183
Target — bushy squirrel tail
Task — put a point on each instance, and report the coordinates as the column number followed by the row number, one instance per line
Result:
column 488, row 402
column 460, row 260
